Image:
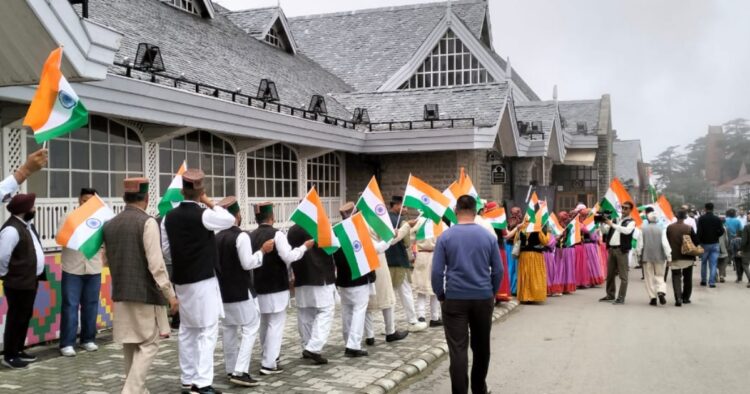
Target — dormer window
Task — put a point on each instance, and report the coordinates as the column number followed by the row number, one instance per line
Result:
column 274, row 38
column 186, row 5
column 277, row 36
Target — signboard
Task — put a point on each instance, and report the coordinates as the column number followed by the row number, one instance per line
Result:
column 498, row 174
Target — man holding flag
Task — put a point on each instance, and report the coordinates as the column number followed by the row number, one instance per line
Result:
column 619, row 237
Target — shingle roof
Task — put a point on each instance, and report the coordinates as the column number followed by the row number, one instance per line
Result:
column 253, row 21
column 576, row 111
column 537, row 111
column 215, row 51
column 482, row 102
column 366, row 47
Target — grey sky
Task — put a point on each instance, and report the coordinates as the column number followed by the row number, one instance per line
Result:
column 672, row 66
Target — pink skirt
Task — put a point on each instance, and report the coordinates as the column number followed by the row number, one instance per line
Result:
column 594, row 263
column 583, row 278
column 550, row 262
column 567, row 259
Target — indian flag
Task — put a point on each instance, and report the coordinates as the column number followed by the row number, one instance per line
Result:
column 497, row 218
column 55, row 109
column 357, row 245
column 537, row 213
column 614, row 198
column 651, row 187
column 554, row 225
column 462, row 187
column 432, row 203
column 430, row 229
column 82, row 231
column 173, row 195
column 588, row 222
column 574, row 233
column 373, row 209
column 663, row 205
column 311, row 216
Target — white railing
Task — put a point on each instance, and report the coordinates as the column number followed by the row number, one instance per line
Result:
column 50, row 213
column 283, row 208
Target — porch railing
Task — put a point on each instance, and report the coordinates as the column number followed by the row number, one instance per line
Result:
column 283, row 209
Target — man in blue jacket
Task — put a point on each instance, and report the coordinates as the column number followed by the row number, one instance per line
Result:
column 466, row 274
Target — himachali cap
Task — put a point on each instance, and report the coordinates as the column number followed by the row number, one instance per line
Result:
column 21, row 203
column 192, row 179
column 230, row 204
column 263, row 207
column 136, row 185
column 347, row 208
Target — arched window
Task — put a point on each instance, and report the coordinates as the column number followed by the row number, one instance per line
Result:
column 272, row 172
column 323, row 172
column 202, row 150
column 100, row 155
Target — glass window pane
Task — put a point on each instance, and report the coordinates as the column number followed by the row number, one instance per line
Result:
column 269, row 190
column 219, row 187
column 218, row 145
column 164, row 181
column 251, row 188
column 278, row 173
column 207, row 164
column 208, row 183
column 59, row 154
column 79, row 180
column 295, row 186
column 218, row 165
column 165, row 161
column 133, row 138
column 177, row 158
column 116, row 133
column 31, row 145
column 229, row 166
column 251, row 168
column 99, row 159
column 80, row 134
column 193, row 158
column 117, row 158
column 59, row 185
column 80, row 155
column 38, row 184
column 230, row 188
column 135, row 159
column 100, row 182
column 178, row 142
column 269, row 169
column 279, row 190
column 116, row 181
column 99, row 129
column 294, row 171
column 192, row 142
column 205, row 139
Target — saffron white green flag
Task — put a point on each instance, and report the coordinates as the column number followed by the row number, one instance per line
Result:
column 311, row 216
column 430, row 229
column 373, row 209
column 421, row 196
column 82, row 230
column 462, row 187
column 357, row 245
column 173, row 196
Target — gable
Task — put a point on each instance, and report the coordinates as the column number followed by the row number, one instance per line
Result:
column 202, row 8
column 266, row 24
column 449, row 64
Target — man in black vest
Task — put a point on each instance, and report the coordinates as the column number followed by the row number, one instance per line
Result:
column 21, row 269
column 242, row 317
column 271, row 281
column 355, row 293
column 619, row 241
column 140, row 284
column 399, row 265
column 315, row 294
column 188, row 241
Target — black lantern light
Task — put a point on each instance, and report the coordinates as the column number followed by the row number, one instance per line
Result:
column 267, row 91
column 431, row 112
column 360, row 116
column 148, row 58
column 317, row 104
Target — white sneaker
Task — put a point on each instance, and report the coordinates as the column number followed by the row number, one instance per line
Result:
column 90, row 347
column 68, row 351
column 418, row 326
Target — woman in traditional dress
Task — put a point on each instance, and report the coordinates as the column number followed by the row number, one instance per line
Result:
column 532, row 272
column 515, row 219
column 593, row 256
column 554, row 285
column 503, row 293
column 583, row 275
column 566, row 257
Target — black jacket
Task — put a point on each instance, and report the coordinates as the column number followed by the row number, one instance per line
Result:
column 709, row 229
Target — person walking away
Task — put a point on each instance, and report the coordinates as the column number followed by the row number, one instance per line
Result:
column 733, row 227
column 466, row 273
column 655, row 254
column 188, row 240
column 81, row 282
column 241, row 313
column 709, row 231
column 355, row 293
column 141, row 289
column 724, row 257
column 21, row 269
column 422, row 274
column 681, row 265
column 619, row 242
column 271, row 281
column 744, row 249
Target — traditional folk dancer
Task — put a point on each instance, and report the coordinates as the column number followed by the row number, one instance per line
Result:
column 503, row 293
column 399, row 265
column 515, row 219
column 566, row 256
column 271, row 281
column 188, row 241
column 593, row 254
column 422, row 275
column 315, row 294
column 140, row 284
column 355, row 293
column 554, row 286
column 532, row 273
column 241, row 312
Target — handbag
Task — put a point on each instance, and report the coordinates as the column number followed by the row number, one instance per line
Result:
column 688, row 247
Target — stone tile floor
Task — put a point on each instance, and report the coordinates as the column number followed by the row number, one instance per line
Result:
column 102, row 371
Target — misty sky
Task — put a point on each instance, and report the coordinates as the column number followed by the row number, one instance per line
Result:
column 672, row 67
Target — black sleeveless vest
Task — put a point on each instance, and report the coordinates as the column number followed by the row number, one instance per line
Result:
column 316, row 267
column 234, row 281
column 273, row 275
column 192, row 246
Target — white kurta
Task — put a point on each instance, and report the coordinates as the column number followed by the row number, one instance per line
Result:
column 315, row 296
column 244, row 312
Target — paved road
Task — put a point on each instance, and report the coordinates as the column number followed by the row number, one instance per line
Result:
column 575, row 344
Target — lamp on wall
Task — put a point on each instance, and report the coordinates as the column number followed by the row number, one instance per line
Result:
column 361, row 116
column 317, row 104
column 431, row 112
column 267, row 91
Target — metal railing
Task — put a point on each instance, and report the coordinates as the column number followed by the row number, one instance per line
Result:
column 421, row 124
column 283, row 209
column 51, row 212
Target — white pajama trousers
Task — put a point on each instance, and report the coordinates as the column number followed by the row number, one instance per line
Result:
column 314, row 325
column 407, row 301
column 434, row 306
column 390, row 325
column 196, row 348
column 271, row 335
column 353, row 314
column 238, row 346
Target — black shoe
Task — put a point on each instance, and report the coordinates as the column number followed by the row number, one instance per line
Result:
column 243, row 380
column 270, row 371
column 677, row 303
column 204, row 390
column 370, row 341
column 703, row 284
column 686, row 301
column 652, row 302
column 712, row 286
column 618, row 301
column 27, row 357
column 606, row 299
column 316, row 357
column 15, row 363
column 355, row 353
column 186, row 389
column 421, row 320
column 436, row 323
column 396, row 336
column 662, row 298
column 721, row 280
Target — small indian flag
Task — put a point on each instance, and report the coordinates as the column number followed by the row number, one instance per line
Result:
column 614, row 198
column 357, row 245
column 554, row 225
column 497, row 218
column 173, row 196
column 430, row 229
column 373, row 209
column 537, row 213
column 665, row 207
column 82, row 231
column 432, row 203
column 651, row 187
column 462, row 187
column 55, row 109
column 574, row 233
column 588, row 222
column 311, row 216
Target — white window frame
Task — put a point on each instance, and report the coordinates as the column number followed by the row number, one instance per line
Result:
column 188, row 6
column 324, row 172
column 259, row 182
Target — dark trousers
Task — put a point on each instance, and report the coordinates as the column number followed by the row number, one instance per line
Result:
column 742, row 264
column 460, row 318
column 617, row 265
column 79, row 291
column 682, row 283
column 20, row 310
